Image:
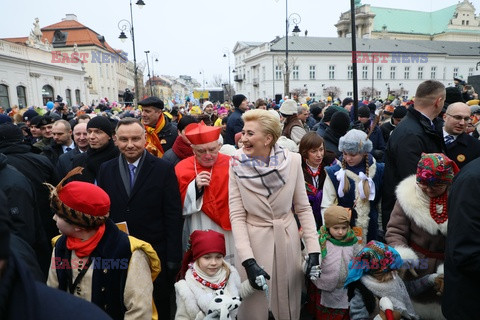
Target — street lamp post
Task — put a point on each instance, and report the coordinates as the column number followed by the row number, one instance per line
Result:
column 226, row 51
column 148, row 69
column 296, row 19
column 123, row 25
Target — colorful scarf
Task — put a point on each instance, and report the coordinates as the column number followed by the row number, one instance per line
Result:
column 84, row 248
column 255, row 175
column 435, row 168
column 348, row 240
column 153, row 144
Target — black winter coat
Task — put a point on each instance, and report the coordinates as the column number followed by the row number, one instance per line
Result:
column 462, row 251
column 464, row 149
column 410, row 138
column 38, row 169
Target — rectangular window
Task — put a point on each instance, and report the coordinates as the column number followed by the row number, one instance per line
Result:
column 22, row 98
column 77, row 96
column 420, row 73
column 68, row 96
column 4, row 100
column 350, row 94
column 470, row 72
column 312, row 94
column 365, row 72
column 263, row 74
column 379, row 72
column 278, row 73
column 331, row 72
column 433, row 71
column 392, row 72
column 406, row 74
column 455, row 72
column 312, row 73
column 295, row 73
column 350, row 72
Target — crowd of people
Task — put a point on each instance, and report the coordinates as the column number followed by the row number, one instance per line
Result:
column 337, row 209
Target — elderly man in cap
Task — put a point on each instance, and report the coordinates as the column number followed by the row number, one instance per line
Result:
column 203, row 182
column 161, row 134
column 235, row 122
column 101, row 149
column 144, row 193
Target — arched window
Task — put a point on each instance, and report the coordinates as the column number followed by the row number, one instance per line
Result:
column 22, row 97
column 4, row 101
column 68, row 96
column 47, row 94
column 77, row 97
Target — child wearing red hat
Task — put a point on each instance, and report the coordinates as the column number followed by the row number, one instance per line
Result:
column 207, row 284
column 93, row 259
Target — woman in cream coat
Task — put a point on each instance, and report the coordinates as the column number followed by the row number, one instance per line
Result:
column 265, row 181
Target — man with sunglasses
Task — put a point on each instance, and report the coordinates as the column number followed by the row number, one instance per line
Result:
column 461, row 147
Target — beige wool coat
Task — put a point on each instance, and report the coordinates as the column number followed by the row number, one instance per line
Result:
column 265, row 229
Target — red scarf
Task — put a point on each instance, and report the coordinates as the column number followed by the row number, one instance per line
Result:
column 215, row 196
column 182, row 149
column 84, row 248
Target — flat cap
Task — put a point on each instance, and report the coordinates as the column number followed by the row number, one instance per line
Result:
column 152, row 102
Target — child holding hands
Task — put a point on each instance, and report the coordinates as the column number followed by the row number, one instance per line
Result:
column 338, row 245
column 208, row 286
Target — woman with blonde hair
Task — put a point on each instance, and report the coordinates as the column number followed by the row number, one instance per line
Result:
column 265, row 181
column 356, row 184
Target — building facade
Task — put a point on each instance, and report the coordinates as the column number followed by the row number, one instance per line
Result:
column 457, row 22
column 321, row 67
column 29, row 78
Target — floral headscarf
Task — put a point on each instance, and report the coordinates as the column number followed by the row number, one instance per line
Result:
column 375, row 257
column 435, row 168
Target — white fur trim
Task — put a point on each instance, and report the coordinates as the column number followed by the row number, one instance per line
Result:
column 183, row 292
column 440, row 269
column 362, row 206
column 406, row 253
column 385, row 304
column 416, row 206
column 428, row 311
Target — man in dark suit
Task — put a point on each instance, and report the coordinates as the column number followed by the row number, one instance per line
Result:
column 461, row 147
column 420, row 131
column 65, row 161
column 144, row 194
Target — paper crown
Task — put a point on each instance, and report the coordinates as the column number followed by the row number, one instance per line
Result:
column 199, row 133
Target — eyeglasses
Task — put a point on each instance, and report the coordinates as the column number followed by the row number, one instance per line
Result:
column 459, row 118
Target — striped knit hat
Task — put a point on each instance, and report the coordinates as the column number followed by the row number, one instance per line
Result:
column 79, row 203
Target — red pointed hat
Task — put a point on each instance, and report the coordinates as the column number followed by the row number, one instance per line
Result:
column 199, row 133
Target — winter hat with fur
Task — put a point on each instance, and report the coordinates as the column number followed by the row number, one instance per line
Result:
column 355, row 141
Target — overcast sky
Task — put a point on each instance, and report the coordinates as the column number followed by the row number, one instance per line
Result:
column 189, row 36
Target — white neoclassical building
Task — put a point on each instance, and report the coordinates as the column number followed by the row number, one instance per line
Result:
column 396, row 50
column 320, row 67
column 29, row 78
column 106, row 72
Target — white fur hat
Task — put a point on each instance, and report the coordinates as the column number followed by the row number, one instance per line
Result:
column 289, row 107
column 355, row 141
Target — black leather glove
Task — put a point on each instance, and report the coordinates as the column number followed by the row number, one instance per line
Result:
column 313, row 260
column 253, row 271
